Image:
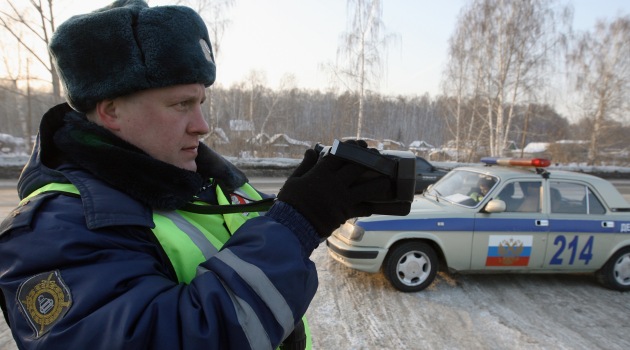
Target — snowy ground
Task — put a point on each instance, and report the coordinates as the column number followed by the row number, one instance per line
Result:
column 357, row 310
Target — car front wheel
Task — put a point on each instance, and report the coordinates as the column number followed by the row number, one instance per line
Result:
column 411, row 266
column 615, row 274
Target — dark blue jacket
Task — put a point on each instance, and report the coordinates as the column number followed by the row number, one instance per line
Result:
column 111, row 286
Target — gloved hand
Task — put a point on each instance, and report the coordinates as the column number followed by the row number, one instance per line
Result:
column 332, row 190
column 296, row 340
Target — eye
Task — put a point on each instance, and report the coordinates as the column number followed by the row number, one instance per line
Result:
column 183, row 105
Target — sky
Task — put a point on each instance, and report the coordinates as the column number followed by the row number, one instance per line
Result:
column 300, row 37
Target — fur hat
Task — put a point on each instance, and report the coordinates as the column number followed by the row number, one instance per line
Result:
column 127, row 47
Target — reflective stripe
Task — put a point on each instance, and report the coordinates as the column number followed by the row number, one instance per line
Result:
column 249, row 322
column 196, row 236
column 265, row 289
column 54, row 186
column 180, row 249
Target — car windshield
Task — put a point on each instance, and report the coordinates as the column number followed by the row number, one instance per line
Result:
column 467, row 188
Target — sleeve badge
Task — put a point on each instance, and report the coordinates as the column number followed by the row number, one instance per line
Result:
column 44, row 299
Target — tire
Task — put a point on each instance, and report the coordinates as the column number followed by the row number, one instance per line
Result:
column 411, row 266
column 615, row 274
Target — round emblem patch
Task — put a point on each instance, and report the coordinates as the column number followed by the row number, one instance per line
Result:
column 44, row 300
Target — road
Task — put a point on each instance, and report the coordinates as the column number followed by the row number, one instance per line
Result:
column 357, row 310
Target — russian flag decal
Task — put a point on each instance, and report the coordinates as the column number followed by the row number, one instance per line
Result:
column 509, row 250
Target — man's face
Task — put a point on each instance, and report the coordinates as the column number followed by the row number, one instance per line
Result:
column 166, row 123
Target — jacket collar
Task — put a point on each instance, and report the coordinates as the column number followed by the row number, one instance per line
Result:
column 105, row 206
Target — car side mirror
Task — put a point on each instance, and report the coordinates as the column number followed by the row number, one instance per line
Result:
column 495, row 206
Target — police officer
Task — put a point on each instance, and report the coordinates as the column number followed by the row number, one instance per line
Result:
column 132, row 234
column 483, row 186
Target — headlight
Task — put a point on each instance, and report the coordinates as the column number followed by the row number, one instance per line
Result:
column 351, row 232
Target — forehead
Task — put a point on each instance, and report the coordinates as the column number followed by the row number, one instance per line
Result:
column 171, row 92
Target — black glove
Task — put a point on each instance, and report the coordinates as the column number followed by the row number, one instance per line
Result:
column 296, row 340
column 332, row 190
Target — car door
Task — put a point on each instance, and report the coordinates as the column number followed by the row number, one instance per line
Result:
column 515, row 239
column 579, row 227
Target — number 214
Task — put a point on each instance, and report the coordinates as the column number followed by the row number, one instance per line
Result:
column 586, row 254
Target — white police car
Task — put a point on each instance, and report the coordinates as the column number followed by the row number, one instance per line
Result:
column 511, row 215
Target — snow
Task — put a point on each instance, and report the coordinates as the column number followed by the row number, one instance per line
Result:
column 536, row 147
column 265, row 162
column 13, row 159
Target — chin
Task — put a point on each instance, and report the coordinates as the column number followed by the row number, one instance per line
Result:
column 190, row 167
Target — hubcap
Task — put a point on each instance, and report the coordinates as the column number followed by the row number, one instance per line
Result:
column 413, row 268
column 621, row 272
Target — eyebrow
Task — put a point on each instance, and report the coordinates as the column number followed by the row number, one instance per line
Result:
column 185, row 97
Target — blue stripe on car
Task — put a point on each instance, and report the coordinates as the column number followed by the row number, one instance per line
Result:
column 489, row 225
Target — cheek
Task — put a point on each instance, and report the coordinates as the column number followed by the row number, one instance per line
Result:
column 162, row 138
column 156, row 136
column 155, row 131
column 147, row 134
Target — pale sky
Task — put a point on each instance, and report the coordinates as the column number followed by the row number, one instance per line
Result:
column 297, row 37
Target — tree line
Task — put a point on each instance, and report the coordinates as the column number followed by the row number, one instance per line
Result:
column 315, row 116
column 504, row 59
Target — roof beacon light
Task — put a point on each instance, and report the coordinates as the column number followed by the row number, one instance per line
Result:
column 533, row 162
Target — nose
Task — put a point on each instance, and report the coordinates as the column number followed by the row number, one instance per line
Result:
column 198, row 124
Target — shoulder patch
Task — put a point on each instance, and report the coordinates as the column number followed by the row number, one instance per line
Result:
column 44, row 300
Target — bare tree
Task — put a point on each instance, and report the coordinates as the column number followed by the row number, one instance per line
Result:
column 272, row 98
column 18, row 118
column 601, row 62
column 33, row 35
column 362, row 48
column 462, row 79
column 505, row 50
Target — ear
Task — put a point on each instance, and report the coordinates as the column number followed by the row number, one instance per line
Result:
column 106, row 115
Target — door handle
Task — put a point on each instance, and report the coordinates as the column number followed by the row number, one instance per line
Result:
column 542, row 222
column 608, row 224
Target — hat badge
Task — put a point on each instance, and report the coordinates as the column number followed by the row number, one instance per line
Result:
column 206, row 50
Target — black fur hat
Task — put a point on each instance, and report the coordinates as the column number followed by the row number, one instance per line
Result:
column 127, row 47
